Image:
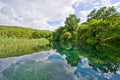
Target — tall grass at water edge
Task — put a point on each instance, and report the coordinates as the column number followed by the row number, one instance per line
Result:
column 16, row 47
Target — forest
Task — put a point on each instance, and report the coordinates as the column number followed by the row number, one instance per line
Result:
column 102, row 26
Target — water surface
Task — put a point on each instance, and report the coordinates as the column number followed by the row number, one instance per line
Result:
column 65, row 61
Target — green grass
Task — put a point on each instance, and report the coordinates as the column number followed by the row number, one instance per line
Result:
column 16, row 47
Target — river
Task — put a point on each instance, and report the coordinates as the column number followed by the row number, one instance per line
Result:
column 65, row 61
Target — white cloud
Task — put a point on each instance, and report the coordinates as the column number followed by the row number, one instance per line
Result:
column 83, row 15
column 88, row 2
column 34, row 13
column 106, row 3
column 117, row 5
column 96, row 4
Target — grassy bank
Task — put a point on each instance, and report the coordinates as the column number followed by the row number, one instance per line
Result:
column 16, row 47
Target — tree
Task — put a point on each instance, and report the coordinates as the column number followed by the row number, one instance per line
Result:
column 57, row 34
column 67, row 32
column 92, row 14
column 71, row 22
column 102, row 13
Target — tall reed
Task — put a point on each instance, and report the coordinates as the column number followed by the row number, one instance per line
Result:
column 16, row 47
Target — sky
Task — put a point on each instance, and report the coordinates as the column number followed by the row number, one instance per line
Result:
column 48, row 14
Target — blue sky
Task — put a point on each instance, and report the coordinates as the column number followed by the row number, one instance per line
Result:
column 48, row 14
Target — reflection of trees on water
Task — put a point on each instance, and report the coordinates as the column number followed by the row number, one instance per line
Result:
column 106, row 67
column 70, row 51
column 102, row 53
column 101, row 56
column 42, row 48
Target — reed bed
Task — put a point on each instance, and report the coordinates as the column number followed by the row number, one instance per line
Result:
column 16, row 47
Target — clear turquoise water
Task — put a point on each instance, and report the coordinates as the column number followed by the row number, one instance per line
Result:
column 65, row 61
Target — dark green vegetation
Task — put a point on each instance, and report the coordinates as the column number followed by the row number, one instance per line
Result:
column 102, row 26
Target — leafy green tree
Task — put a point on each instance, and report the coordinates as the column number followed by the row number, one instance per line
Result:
column 102, row 13
column 67, row 32
column 103, row 25
column 71, row 22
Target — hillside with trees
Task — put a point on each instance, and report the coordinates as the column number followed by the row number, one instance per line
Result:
column 20, row 32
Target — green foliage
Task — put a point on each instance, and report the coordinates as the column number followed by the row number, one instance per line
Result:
column 102, row 25
column 20, row 32
column 82, row 32
column 102, row 13
column 113, row 39
column 42, row 34
column 71, row 22
column 66, row 36
column 67, row 32
column 57, row 34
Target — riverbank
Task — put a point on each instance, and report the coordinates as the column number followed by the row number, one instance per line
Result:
column 16, row 47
